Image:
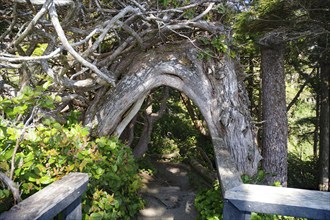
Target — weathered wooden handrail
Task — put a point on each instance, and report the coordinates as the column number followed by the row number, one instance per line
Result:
column 240, row 201
column 62, row 196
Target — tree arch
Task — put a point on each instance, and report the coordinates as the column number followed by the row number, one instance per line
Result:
column 213, row 84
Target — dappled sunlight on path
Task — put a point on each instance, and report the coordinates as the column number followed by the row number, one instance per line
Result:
column 168, row 194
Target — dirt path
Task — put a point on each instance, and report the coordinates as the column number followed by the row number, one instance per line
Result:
column 169, row 194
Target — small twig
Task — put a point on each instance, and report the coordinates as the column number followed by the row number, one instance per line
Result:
column 12, row 24
column 34, row 21
column 129, row 30
column 207, row 10
column 11, row 58
column 109, row 24
column 18, row 141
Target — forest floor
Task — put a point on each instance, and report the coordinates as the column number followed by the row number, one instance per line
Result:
column 168, row 193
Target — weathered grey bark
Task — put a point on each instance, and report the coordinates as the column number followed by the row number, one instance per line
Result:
column 150, row 119
column 212, row 85
column 198, row 122
column 12, row 186
column 275, row 127
column 128, row 134
column 317, row 127
column 324, row 128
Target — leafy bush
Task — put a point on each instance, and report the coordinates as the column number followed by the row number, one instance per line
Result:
column 47, row 151
column 209, row 203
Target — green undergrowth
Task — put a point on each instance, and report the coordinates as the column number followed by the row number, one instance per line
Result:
column 48, row 151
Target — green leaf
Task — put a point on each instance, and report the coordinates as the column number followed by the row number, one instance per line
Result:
column 13, row 133
column 99, row 171
column 58, row 99
column 9, row 154
column 2, row 134
column 4, row 193
column 32, row 179
column 19, row 109
column 27, row 164
column 32, row 135
column 70, row 168
column 96, row 216
column 45, row 180
column 46, row 84
column 114, row 168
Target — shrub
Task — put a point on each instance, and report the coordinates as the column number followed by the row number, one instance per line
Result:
column 48, row 150
column 209, row 203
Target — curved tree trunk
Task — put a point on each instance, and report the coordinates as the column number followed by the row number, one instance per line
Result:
column 212, row 85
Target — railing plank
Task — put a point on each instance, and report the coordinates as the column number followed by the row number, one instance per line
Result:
column 280, row 200
column 61, row 195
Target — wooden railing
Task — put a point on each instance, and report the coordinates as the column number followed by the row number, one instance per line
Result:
column 62, row 196
column 240, row 201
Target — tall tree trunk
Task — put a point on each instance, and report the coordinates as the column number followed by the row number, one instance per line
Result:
column 324, row 128
column 317, row 118
column 275, row 129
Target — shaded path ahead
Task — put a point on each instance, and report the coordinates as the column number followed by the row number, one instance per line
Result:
column 168, row 194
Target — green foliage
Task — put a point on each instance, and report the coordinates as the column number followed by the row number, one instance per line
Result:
column 302, row 122
column 302, row 173
column 256, row 179
column 49, row 150
column 215, row 45
column 209, row 204
column 263, row 16
column 174, row 130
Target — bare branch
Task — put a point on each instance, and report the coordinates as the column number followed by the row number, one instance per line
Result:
column 12, row 186
column 67, row 46
column 41, row 2
column 207, row 10
column 84, row 84
column 12, row 24
column 18, row 141
column 109, row 24
column 31, row 25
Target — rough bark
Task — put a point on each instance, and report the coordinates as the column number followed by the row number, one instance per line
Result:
column 12, row 186
column 198, row 122
column 150, row 119
column 324, row 128
column 275, row 127
column 211, row 85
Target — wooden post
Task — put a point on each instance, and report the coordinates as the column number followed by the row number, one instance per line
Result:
column 232, row 212
column 73, row 211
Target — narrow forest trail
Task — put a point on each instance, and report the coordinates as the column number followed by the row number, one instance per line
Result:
column 168, row 193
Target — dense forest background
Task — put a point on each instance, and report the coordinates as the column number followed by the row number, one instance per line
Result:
column 60, row 59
